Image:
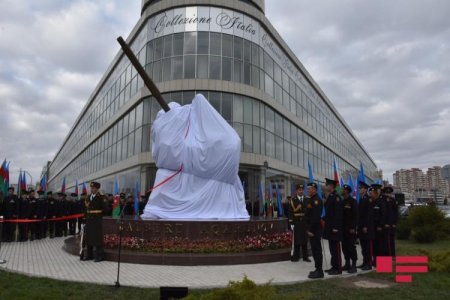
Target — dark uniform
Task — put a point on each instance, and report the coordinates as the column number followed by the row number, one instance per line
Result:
column 391, row 220
column 24, row 213
column 350, row 221
column 297, row 218
column 333, row 228
column 379, row 222
column 93, row 233
column 32, row 202
column 41, row 214
column 11, row 211
column 72, row 210
column 80, row 209
column 314, row 209
column 366, row 232
column 52, row 208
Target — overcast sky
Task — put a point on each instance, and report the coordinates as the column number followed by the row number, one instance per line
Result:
column 384, row 64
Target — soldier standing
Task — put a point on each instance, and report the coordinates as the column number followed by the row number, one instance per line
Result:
column 41, row 214
column 333, row 226
column 297, row 220
column 72, row 204
column 51, row 214
column 379, row 221
column 391, row 220
column 32, row 202
column 365, row 227
column 350, row 220
column 24, row 213
column 81, row 209
column 93, row 235
column 314, row 209
column 11, row 212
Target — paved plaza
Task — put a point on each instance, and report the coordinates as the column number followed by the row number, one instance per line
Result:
column 45, row 258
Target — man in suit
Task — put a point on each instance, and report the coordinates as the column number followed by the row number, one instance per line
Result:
column 314, row 209
column 333, row 226
column 93, row 234
column 350, row 220
column 297, row 220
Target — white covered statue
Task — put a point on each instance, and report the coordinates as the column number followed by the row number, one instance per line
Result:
column 197, row 154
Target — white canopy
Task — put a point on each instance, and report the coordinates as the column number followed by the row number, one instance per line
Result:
column 197, row 154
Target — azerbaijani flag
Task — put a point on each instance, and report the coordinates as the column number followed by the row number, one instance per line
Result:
column 3, row 187
column 136, row 199
column 76, row 189
column 116, row 201
column 63, row 186
column 24, row 181
column 280, row 207
column 261, row 199
column 352, row 186
column 19, row 183
column 337, row 178
column 83, row 189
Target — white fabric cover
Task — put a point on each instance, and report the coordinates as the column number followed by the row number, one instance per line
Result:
column 197, row 139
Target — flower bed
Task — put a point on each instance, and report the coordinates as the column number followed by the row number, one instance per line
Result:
column 179, row 245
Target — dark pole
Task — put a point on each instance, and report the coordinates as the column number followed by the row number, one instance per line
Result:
column 147, row 81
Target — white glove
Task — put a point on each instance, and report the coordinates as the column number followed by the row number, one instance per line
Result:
column 292, row 227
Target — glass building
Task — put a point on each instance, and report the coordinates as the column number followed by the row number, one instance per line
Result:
column 230, row 52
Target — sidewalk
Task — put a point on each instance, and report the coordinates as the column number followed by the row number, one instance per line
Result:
column 45, row 258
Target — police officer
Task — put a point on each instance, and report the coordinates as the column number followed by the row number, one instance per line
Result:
column 350, row 221
column 52, row 208
column 379, row 221
column 11, row 212
column 366, row 232
column 314, row 209
column 93, row 235
column 41, row 214
column 297, row 220
column 391, row 220
column 333, row 226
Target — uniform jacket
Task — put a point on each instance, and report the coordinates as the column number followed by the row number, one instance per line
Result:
column 333, row 217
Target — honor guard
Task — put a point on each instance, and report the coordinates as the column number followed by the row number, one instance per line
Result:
column 32, row 202
column 297, row 220
column 52, row 208
column 314, row 209
column 379, row 221
column 72, row 209
column 11, row 211
column 41, row 214
column 333, row 226
column 391, row 220
column 350, row 221
column 93, row 231
column 24, row 213
column 366, row 232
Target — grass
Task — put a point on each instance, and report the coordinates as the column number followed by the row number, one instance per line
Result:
column 428, row 286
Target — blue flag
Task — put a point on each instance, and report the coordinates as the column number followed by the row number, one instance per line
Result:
column 305, row 188
column 261, row 199
column 116, row 190
column 280, row 207
column 136, row 199
column 310, row 172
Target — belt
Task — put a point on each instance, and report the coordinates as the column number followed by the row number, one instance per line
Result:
column 99, row 211
column 299, row 215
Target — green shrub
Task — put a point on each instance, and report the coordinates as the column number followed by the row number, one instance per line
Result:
column 438, row 261
column 427, row 224
column 403, row 229
column 237, row 290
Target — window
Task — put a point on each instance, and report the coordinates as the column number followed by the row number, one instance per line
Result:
column 255, row 112
column 247, row 71
column 247, row 51
column 287, row 152
column 214, row 99
column 237, row 71
column 226, row 68
column 168, row 46
column 215, row 43
column 214, row 67
column 279, row 153
column 202, row 66
column 248, row 138
column 278, row 125
column 268, row 85
column 270, row 144
column 178, row 42
column 189, row 66
column 203, row 43
column 167, row 69
column 238, row 111
column 248, row 110
column 286, row 129
column 256, row 140
column 237, row 47
column 227, row 45
column 177, row 67
column 190, row 41
column 270, row 119
column 158, row 49
column 268, row 65
column 227, row 101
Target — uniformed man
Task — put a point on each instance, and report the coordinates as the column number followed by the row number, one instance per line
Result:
column 366, row 232
column 24, row 213
column 297, row 221
column 391, row 220
column 350, row 221
column 314, row 209
column 93, row 234
column 41, row 214
column 72, row 210
column 11, row 212
column 32, row 202
column 333, row 226
column 129, row 206
column 81, row 209
column 52, row 208
column 379, row 221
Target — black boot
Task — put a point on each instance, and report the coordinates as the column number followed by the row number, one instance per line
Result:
column 346, row 266
column 316, row 274
column 352, row 269
column 98, row 254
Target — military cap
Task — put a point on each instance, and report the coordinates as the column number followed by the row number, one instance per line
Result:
column 122, row 195
column 24, row 192
column 375, row 186
column 40, row 192
column 363, row 184
column 110, row 195
column 313, row 184
column 299, row 186
column 95, row 184
column 31, row 190
column 62, row 194
column 74, row 195
column 387, row 189
column 11, row 189
column 329, row 181
column 348, row 188
column 49, row 193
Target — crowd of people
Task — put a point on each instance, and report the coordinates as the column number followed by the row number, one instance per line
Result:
column 33, row 215
column 342, row 221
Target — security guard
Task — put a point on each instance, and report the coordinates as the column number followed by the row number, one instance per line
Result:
column 93, row 234
column 379, row 221
column 333, row 226
column 365, row 226
column 297, row 220
column 314, row 209
column 391, row 220
column 350, row 221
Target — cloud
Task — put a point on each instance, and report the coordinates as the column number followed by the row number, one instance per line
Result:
column 385, row 65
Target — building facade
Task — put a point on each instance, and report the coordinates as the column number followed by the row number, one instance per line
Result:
column 229, row 52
